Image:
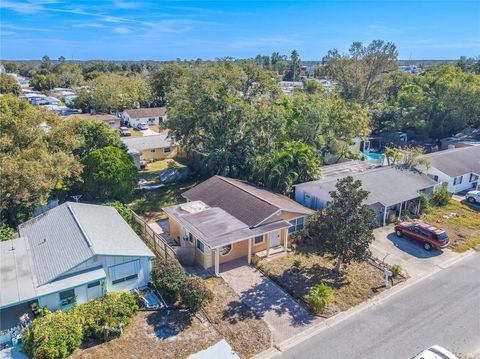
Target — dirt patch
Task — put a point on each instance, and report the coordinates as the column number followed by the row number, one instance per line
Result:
column 461, row 222
column 247, row 334
column 357, row 282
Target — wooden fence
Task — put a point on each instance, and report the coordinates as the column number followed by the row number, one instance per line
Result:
column 155, row 241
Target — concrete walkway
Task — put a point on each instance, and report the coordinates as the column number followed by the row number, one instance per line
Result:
column 279, row 310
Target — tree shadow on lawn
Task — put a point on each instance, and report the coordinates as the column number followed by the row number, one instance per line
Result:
column 299, row 281
column 166, row 326
column 265, row 297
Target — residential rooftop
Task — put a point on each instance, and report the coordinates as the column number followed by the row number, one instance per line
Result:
column 147, row 112
column 248, row 203
column 458, row 161
column 386, row 185
column 138, row 144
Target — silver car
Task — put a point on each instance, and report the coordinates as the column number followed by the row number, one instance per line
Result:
column 473, row 196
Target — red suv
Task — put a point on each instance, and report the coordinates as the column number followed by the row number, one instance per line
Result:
column 430, row 236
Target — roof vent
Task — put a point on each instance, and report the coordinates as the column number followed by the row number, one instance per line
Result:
column 194, row 207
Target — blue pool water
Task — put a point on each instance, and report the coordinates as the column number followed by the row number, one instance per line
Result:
column 373, row 156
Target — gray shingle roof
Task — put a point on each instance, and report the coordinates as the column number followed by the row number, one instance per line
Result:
column 245, row 202
column 161, row 140
column 71, row 233
column 146, row 112
column 458, row 161
column 387, row 185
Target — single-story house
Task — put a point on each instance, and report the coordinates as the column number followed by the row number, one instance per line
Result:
column 226, row 219
column 152, row 148
column 111, row 120
column 146, row 116
column 69, row 255
column 391, row 190
column 468, row 137
column 459, row 168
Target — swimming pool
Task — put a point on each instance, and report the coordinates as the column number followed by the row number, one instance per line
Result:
column 373, row 156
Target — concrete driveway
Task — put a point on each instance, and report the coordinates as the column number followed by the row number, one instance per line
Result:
column 284, row 316
column 409, row 254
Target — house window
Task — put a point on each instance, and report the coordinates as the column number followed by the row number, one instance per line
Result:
column 152, row 150
column 94, row 284
column 473, row 177
column 167, row 150
column 200, row 246
column 296, row 225
column 67, row 297
column 151, row 120
column 258, row 240
column 457, row 180
column 190, row 238
column 225, row 250
column 124, row 279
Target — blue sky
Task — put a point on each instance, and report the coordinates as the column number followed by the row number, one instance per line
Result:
column 165, row 30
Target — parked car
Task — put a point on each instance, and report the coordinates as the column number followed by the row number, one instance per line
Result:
column 473, row 196
column 435, row 352
column 430, row 236
column 142, row 126
column 124, row 131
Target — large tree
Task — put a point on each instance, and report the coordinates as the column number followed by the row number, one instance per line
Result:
column 436, row 104
column 109, row 173
column 285, row 165
column 226, row 109
column 360, row 74
column 112, row 92
column 344, row 230
column 32, row 166
column 90, row 133
column 8, row 84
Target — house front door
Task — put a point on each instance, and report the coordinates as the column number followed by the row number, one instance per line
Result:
column 274, row 238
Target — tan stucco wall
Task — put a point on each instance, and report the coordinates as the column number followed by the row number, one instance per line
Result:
column 261, row 246
column 174, row 229
column 159, row 154
column 239, row 250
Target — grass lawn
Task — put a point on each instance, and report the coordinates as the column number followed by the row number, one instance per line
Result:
column 156, row 335
column 162, row 165
column 148, row 204
column 461, row 222
column 357, row 283
column 236, row 322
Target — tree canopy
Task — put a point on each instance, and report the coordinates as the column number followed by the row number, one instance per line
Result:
column 32, row 165
column 344, row 230
column 8, row 84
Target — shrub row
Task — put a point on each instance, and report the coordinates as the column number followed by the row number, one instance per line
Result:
column 174, row 284
column 58, row 334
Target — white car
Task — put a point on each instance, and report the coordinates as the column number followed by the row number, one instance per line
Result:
column 473, row 196
column 436, row 352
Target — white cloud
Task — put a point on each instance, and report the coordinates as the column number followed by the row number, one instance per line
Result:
column 121, row 30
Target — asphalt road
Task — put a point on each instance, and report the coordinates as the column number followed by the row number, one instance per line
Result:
column 443, row 309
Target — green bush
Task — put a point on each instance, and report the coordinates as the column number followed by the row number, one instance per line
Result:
column 195, row 294
column 54, row 336
column 396, row 270
column 6, row 232
column 440, row 197
column 57, row 335
column 319, row 297
column 297, row 263
column 108, row 314
column 168, row 275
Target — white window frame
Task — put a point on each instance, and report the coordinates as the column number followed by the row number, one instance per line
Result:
column 473, row 177
column 200, row 244
column 296, row 225
column 460, row 178
column 257, row 244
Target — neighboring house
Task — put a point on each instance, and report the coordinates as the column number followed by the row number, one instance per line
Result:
column 289, row 86
column 69, row 255
column 391, row 190
column 111, row 120
column 146, row 116
column 459, row 168
column 152, row 148
column 226, row 219
column 468, row 137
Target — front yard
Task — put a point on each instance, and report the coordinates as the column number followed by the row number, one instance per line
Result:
column 301, row 269
column 461, row 222
column 178, row 335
